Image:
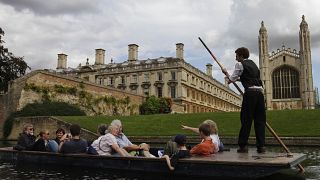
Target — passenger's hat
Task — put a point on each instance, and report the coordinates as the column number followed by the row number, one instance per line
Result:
column 180, row 139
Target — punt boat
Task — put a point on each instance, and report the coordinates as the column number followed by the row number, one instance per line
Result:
column 227, row 164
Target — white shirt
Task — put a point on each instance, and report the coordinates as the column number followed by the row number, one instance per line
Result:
column 216, row 141
column 103, row 144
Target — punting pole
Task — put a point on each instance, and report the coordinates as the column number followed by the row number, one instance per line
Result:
column 268, row 126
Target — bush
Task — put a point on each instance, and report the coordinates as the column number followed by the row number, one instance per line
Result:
column 154, row 105
column 42, row 109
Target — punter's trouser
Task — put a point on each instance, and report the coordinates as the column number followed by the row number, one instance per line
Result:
column 253, row 108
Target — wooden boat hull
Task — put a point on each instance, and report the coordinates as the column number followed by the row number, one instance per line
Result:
column 226, row 164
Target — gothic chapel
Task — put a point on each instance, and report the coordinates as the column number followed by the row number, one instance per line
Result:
column 287, row 74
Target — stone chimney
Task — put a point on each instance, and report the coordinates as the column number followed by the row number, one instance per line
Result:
column 100, row 55
column 179, row 51
column 62, row 61
column 132, row 52
column 209, row 69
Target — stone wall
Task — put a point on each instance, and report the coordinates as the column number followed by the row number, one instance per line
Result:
column 17, row 97
column 46, row 123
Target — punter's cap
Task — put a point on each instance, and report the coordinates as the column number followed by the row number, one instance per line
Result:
column 180, row 139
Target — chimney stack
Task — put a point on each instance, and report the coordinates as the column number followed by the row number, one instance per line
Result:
column 133, row 52
column 100, row 55
column 179, row 51
column 62, row 61
column 209, row 69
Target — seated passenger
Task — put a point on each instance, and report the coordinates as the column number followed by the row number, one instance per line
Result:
column 206, row 147
column 107, row 143
column 73, row 143
column 42, row 142
column 213, row 134
column 182, row 151
column 26, row 139
column 59, row 133
column 125, row 143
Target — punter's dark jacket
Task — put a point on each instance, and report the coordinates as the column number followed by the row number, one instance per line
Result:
column 25, row 142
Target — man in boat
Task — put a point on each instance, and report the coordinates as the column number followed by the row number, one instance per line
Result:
column 73, row 144
column 26, row 139
column 125, row 143
column 253, row 106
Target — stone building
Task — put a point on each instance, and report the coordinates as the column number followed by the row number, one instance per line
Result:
column 190, row 89
column 287, row 73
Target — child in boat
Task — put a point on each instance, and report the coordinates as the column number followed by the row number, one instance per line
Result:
column 182, row 151
column 206, row 147
column 213, row 134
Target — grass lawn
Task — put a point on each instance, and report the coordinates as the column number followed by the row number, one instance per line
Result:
column 285, row 123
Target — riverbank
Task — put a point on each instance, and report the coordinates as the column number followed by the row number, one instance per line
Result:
column 287, row 123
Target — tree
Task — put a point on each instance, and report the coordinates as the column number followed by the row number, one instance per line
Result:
column 11, row 67
column 154, row 105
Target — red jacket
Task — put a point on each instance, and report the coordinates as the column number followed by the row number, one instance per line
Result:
column 206, row 147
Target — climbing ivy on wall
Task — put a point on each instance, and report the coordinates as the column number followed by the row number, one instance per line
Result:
column 86, row 99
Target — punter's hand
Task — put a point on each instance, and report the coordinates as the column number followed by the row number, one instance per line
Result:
column 224, row 71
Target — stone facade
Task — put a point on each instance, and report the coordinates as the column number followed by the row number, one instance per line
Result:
column 190, row 89
column 286, row 73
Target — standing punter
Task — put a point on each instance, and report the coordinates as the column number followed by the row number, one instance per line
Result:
column 253, row 100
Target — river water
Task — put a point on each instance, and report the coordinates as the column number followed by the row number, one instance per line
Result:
column 11, row 171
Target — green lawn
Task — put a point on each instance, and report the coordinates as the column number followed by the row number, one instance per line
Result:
column 285, row 123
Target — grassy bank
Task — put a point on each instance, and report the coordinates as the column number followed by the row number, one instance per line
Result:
column 285, row 123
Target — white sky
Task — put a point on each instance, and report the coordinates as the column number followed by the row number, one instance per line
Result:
column 39, row 29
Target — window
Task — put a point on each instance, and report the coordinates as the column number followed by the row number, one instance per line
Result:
column 173, row 92
column 123, row 80
column 146, row 92
column 159, row 89
column 134, row 78
column 159, row 76
column 100, row 81
column 285, row 83
column 146, row 77
column 111, row 80
column 173, row 75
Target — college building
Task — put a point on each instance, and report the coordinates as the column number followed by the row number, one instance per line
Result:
column 190, row 89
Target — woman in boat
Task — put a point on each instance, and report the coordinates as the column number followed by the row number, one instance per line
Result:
column 107, row 143
column 59, row 133
column 213, row 133
column 26, row 139
column 206, row 147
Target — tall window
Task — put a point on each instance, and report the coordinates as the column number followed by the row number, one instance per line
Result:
column 123, row 80
column 134, row 78
column 111, row 80
column 173, row 75
column 146, row 77
column 173, row 92
column 159, row 89
column 285, row 83
column 159, row 76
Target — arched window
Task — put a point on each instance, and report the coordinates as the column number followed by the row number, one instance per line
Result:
column 285, row 83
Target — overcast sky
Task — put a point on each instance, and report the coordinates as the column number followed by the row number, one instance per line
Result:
column 40, row 29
